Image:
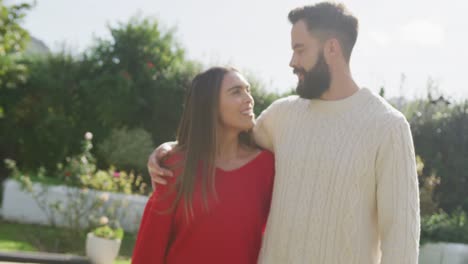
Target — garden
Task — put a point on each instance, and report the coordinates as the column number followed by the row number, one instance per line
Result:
column 76, row 131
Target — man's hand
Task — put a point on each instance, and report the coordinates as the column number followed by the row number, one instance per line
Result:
column 156, row 171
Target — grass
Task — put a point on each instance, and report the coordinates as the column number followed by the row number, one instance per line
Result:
column 26, row 237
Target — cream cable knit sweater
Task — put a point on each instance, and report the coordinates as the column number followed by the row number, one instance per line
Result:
column 346, row 189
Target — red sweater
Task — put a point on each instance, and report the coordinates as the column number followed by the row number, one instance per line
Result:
column 229, row 232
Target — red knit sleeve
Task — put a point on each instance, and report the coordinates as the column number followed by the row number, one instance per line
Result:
column 156, row 226
column 155, row 229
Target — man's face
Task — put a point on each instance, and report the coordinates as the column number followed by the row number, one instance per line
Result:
column 308, row 63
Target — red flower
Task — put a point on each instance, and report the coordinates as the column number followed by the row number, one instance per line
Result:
column 67, row 173
column 116, row 174
column 150, row 65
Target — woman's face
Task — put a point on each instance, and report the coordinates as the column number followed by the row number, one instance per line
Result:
column 236, row 103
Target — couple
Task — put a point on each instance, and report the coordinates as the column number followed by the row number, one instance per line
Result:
column 342, row 182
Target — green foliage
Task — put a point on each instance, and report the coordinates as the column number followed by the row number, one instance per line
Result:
column 12, row 43
column 140, row 76
column 382, row 92
column 440, row 133
column 43, row 119
column 126, row 149
column 83, row 207
column 81, row 171
column 427, row 185
column 108, row 232
column 443, row 227
column 13, row 71
column 135, row 79
column 79, row 166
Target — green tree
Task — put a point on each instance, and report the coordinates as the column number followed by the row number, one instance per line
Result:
column 134, row 79
column 13, row 39
column 440, row 132
column 12, row 43
column 137, row 79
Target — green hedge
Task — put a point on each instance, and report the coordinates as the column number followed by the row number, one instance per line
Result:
column 135, row 80
column 442, row 227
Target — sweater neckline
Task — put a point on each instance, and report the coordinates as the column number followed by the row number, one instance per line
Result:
column 247, row 164
column 358, row 98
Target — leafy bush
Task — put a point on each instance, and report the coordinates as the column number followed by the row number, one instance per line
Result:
column 440, row 133
column 79, row 172
column 108, row 232
column 126, row 149
column 12, row 44
column 442, row 227
column 134, row 79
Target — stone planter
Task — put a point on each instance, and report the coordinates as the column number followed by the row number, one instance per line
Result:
column 100, row 250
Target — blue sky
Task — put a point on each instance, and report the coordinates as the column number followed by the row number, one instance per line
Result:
column 417, row 39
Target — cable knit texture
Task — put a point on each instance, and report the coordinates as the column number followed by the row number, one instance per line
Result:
column 346, row 189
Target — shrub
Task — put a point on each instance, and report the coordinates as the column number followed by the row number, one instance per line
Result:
column 442, row 227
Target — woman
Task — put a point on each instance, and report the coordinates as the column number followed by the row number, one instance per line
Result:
column 215, row 208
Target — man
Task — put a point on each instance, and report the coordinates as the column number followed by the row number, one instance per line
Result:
column 346, row 187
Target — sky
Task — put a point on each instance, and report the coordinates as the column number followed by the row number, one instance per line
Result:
column 402, row 45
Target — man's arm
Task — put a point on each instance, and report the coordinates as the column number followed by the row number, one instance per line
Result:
column 264, row 127
column 398, row 195
column 156, row 171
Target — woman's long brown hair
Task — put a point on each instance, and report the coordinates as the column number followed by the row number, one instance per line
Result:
column 197, row 138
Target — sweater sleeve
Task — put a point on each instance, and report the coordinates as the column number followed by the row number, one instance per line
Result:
column 155, row 229
column 264, row 129
column 398, row 195
column 157, row 224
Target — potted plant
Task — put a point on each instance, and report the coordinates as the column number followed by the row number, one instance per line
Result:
column 103, row 243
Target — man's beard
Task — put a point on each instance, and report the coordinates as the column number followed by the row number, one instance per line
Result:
column 316, row 81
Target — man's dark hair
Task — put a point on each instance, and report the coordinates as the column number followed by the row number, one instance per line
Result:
column 329, row 20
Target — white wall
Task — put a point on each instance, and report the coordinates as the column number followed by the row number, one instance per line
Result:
column 20, row 206
column 443, row 253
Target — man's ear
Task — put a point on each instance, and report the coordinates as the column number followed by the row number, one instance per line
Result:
column 332, row 49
